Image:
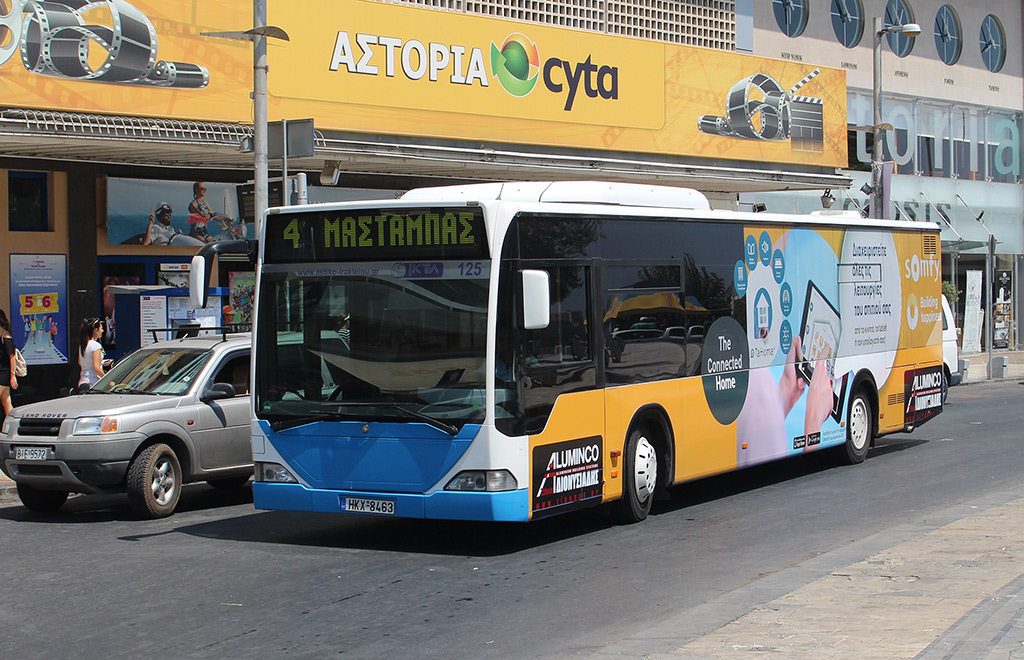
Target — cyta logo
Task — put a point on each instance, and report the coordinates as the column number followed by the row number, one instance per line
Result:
column 516, row 64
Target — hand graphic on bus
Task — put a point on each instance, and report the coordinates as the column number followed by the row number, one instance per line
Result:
column 819, row 393
column 819, row 400
column 791, row 385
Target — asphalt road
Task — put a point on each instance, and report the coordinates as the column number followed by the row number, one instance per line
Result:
column 221, row 580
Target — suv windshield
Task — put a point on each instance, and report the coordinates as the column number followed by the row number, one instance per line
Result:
column 389, row 341
column 168, row 370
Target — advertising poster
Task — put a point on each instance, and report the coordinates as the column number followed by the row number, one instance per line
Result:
column 566, row 475
column 1002, row 319
column 39, row 316
column 147, row 212
column 242, row 285
column 394, row 69
column 972, row 313
column 815, row 330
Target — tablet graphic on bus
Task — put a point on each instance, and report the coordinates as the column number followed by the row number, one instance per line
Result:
column 819, row 336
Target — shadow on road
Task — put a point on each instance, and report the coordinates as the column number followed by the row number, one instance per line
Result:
column 81, row 509
column 422, row 536
column 494, row 539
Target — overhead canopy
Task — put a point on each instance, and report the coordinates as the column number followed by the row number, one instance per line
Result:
column 45, row 134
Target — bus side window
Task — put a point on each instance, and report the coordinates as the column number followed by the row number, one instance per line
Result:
column 566, row 338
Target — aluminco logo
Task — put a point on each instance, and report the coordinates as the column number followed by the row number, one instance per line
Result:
column 415, row 59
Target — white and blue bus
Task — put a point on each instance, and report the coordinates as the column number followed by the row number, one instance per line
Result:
column 510, row 351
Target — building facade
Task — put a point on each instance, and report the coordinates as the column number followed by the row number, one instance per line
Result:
column 954, row 99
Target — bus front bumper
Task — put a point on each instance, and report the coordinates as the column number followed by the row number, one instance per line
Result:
column 508, row 506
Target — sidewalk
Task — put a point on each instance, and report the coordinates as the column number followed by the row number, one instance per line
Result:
column 978, row 369
column 8, row 493
column 949, row 587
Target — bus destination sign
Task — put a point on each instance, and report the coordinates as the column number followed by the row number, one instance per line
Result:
column 375, row 235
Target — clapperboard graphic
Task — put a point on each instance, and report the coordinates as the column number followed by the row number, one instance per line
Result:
column 758, row 108
column 59, row 38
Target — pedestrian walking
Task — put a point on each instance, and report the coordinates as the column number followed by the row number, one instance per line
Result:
column 90, row 352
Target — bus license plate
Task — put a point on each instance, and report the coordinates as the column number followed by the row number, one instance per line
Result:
column 361, row 505
column 30, row 453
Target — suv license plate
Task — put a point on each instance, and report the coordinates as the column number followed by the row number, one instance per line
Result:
column 362, row 505
column 30, row 453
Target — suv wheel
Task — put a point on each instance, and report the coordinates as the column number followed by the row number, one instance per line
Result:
column 154, row 482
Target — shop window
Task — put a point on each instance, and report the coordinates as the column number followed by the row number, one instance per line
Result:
column 27, row 208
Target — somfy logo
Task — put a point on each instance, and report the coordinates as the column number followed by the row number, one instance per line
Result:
column 516, row 64
column 758, row 108
column 913, row 312
column 57, row 39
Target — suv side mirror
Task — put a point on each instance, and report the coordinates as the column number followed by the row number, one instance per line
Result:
column 218, row 391
column 536, row 300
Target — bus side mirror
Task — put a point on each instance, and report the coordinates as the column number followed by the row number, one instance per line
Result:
column 198, row 275
column 536, row 300
column 197, row 282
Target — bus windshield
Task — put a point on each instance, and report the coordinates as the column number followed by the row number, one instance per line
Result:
column 373, row 342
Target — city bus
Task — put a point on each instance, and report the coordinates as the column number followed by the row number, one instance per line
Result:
column 512, row 351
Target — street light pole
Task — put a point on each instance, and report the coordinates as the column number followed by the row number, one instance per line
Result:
column 259, row 98
column 876, row 95
column 880, row 30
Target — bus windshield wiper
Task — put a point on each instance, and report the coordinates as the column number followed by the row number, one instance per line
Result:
column 285, row 421
column 441, row 425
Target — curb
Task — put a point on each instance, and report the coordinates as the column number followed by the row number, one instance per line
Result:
column 8, row 491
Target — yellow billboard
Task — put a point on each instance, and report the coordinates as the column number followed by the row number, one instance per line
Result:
column 384, row 68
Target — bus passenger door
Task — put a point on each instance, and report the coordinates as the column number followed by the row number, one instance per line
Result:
column 558, row 360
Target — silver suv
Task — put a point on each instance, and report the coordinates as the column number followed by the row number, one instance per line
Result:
column 173, row 412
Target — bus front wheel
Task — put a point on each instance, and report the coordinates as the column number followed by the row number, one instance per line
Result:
column 858, row 428
column 640, row 476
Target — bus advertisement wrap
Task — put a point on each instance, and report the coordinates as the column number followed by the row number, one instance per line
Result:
column 812, row 308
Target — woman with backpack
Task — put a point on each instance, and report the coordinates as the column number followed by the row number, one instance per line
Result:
column 8, row 379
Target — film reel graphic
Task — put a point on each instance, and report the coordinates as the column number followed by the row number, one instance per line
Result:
column 55, row 39
column 758, row 108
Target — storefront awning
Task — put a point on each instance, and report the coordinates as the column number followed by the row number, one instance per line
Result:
column 44, row 134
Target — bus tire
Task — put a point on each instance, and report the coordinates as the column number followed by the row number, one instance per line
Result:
column 859, row 427
column 640, row 476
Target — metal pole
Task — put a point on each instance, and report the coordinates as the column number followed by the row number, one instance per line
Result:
column 286, row 198
column 876, row 152
column 259, row 140
column 990, row 262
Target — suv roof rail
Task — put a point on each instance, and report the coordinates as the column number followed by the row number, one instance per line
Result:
column 193, row 329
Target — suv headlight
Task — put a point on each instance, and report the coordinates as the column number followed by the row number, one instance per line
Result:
column 97, row 425
column 8, row 424
column 483, row 481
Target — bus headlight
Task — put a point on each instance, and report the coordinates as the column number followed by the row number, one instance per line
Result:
column 483, row 481
column 96, row 425
column 274, row 472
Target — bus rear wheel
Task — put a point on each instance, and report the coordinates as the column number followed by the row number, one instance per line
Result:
column 640, row 477
column 858, row 428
